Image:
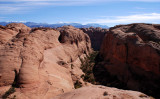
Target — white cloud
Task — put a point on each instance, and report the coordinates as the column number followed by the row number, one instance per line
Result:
column 15, row 6
column 138, row 18
column 77, row 0
column 140, row 8
column 143, row 0
column 2, row 18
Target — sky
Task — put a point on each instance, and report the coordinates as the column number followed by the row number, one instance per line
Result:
column 105, row 12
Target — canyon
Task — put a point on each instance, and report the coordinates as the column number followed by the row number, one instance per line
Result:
column 45, row 63
column 96, row 35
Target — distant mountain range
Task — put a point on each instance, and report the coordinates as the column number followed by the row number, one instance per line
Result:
column 77, row 25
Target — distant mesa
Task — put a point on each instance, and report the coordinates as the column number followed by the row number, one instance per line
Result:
column 77, row 25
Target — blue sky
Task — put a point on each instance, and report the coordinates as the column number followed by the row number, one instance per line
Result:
column 106, row 12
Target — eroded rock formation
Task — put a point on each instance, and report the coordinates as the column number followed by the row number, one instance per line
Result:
column 42, row 62
column 129, row 58
column 96, row 35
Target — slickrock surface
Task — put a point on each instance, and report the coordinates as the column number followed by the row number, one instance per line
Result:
column 101, row 92
column 40, row 62
column 96, row 35
column 130, row 58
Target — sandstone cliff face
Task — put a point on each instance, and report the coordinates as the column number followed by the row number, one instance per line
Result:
column 101, row 92
column 130, row 58
column 41, row 62
column 96, row 35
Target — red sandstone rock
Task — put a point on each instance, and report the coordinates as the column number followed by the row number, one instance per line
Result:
column 38, row 62
column 96, row 35
column 130, row 55
column 101, row 92
column 42, row 63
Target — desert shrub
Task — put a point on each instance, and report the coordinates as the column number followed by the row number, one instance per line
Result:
column 72, row 66
column 143, row 96
column 10, row 91
column 41, row 28
column 105, row 93
column 78, row 84
column 87, row 67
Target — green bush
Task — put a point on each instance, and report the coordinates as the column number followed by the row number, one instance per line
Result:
column 10, row 91
column 78, row 84
column 87, row 67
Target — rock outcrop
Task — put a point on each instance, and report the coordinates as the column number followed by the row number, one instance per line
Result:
column 40, row 63
column 101, row 92
column 129, row 58
column 96, row 35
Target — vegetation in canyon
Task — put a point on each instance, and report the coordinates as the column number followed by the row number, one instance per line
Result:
column 87, row 67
